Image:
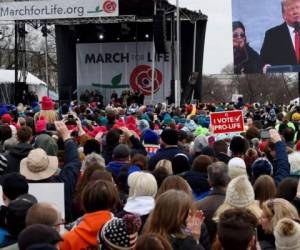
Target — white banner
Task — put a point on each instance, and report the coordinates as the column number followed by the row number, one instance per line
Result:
column 120, row 66
column 58, row 9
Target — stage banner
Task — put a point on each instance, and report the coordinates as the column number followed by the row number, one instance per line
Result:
column 265, row 35
column 122, row 66
column 227, row 122
column 58, row 9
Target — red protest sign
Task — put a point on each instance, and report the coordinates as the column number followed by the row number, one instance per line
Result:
column 227, row 122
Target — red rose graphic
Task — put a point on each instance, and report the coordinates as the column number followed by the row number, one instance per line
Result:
column 109, row 6
column 141, row 79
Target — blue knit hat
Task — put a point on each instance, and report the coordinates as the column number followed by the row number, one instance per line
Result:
column 3, row 109
column 261, row 166
column 150, row 137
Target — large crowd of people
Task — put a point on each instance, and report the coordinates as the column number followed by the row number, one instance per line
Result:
column 156, row 177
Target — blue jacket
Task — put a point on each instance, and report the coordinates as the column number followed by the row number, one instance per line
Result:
column 115, row 167
column 163, row 154
column 282, row 166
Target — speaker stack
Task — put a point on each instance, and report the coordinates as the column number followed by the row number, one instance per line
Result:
column 160, row 32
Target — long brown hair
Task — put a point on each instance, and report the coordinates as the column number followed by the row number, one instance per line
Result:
column 264, row 188
column 174, row 182
column 83, row 181
column 170, row 214
column 153, row 241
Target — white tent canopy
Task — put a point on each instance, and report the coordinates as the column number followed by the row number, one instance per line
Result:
column 8, row 76
column 34, row 84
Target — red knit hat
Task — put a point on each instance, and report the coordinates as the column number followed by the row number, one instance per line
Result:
column 47, row 103
column 40, row 125
column 263, row 146
column 6, row 118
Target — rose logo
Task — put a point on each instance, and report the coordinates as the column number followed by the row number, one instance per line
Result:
column 109, row 6
column 141, row 79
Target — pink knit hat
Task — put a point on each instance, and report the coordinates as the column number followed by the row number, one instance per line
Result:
column 47, row 103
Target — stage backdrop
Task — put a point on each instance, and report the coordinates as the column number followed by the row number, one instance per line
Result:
column 119, row 66
column 258, row 16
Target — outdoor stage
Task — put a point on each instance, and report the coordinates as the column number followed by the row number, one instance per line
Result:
column 138, row 17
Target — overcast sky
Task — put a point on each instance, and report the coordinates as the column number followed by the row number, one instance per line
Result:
column 218, row 43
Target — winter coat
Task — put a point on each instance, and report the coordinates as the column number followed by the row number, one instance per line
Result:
column 197, row 181
column 68, row 175
column 84, row 236
column 281, row 163
column 115, row 167
column 209, row 206
column 15, row 155
column 185, row 243
column 204, row 237
column 163, row 154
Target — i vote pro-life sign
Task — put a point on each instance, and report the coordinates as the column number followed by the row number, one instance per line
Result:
column 227, row 122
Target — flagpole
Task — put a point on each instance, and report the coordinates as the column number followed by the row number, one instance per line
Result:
column 153, row 62
column 177, row 82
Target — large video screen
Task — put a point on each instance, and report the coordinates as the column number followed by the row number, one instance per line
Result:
column 266, row 36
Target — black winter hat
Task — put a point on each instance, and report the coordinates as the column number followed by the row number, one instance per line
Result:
column 14, row 185
column 169, row 136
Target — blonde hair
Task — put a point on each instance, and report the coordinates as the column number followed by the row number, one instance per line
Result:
column 286, row 234
column 142, row 184
column 49, row 115
column 276, row 209
column 166, row 164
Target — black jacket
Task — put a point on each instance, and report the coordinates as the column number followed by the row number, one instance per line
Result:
column 277, row 48
column 248, row 63
column 197, row 181
column 186, row 243
column 15, row 155
column 163, row 154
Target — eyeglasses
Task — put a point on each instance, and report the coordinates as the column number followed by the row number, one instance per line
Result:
column 237, row 35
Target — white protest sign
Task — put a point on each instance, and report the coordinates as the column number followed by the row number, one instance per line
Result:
column 47, row 192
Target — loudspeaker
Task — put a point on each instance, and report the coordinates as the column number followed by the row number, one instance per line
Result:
column 21, row 91
column 160, row 32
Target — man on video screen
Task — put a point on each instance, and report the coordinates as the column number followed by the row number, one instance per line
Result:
column 281, row 45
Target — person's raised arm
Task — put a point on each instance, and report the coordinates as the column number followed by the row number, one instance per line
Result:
column 282, row 163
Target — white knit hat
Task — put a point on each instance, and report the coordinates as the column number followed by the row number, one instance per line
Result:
column 287, row 235
column 239, row 192
column 236, row 167
column 294, row 160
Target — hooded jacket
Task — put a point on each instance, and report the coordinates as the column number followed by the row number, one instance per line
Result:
column 84, row 236
column 15, row 155
column 197, row 181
